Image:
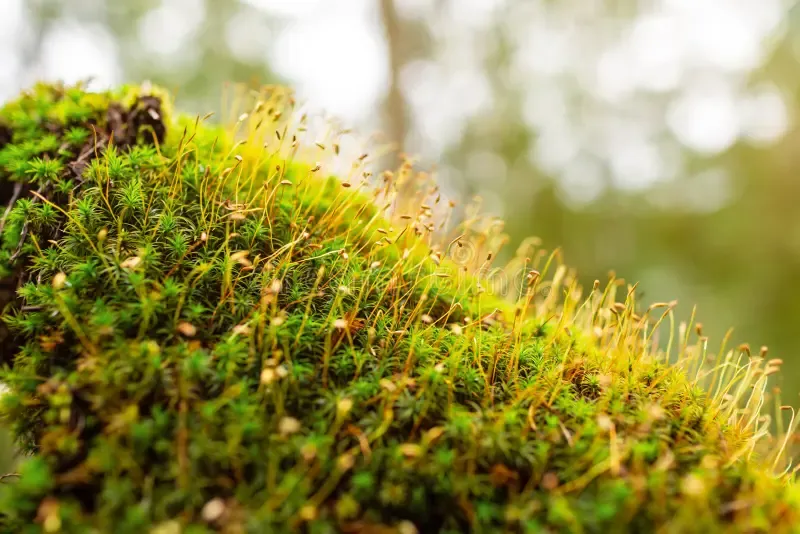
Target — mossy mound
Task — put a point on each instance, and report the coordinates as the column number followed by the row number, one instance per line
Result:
column 203, row 333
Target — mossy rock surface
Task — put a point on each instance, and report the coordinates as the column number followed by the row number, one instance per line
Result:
column 203, row 332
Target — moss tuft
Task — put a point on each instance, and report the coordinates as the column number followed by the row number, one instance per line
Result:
column 203, row 332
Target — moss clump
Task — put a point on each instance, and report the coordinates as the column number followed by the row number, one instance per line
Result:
column 204, row 334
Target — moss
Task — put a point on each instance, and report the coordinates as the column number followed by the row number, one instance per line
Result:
column 203, row 333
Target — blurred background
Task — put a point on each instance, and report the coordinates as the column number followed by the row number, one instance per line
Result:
column 657, row 138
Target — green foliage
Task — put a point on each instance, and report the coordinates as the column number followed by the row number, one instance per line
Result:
column 208, row 335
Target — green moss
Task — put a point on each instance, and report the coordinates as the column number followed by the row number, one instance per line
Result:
column 205, row 334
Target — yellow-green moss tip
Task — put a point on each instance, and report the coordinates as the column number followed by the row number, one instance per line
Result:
column 202, row 332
